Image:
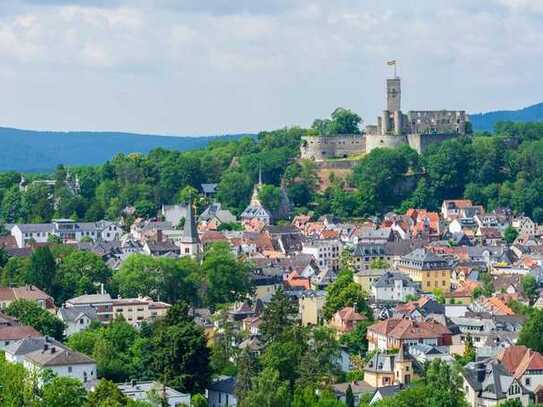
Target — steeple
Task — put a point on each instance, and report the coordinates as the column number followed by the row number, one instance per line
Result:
column 259, row 174
column 190, row 232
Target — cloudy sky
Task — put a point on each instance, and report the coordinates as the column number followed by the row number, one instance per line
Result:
column 220, row 66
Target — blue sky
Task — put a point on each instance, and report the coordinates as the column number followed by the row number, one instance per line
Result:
column 220, row 66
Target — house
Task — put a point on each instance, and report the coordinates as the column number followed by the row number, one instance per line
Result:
column 366, row 278
column 430, row 270
column 487, row 383
column 102, row 303
column 459, row 208
column 61, row 361
column 345, row 320
column 209, row 190
column 136, row 310
column 17, row 350
column 161, row 248
column 393, row 287
column 214, row 216
column 385, row 392
column 67, row 230
column 427, row 353
column 255, row 210
column 220, row 393
column 526, row 366
column 27, row 292
column 358, row 387
column 148, row 391
column 76, row 319
column 394, row 333
column 384, row 369
column 174, row 214
column 11, row 331
column 326, row 252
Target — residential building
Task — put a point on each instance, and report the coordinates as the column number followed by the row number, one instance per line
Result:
column 76, row 319
column 487, row 383
column 526, row 366
column 11, row 331
column 393, row 287
column 388, row 369
column 67, row 230
column 27, row 292
column 326, row 252
column 174, row 214
column 102, row 303
column 214, row 216
column 149, row 391
column 137, row 310
column 358, row 387
column 17, row 350
column 366, row 278
column 430, row 270
column 394, row 333
column 460, row 208
column 345, row 320
column 221, row 392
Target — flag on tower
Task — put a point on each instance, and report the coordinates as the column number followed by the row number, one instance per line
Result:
column 393, row 62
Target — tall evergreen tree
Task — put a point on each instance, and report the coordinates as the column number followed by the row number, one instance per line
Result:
column 247, row 371
column 276, row 317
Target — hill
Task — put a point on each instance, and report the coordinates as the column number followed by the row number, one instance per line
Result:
column 33, row 151
column 486, row 121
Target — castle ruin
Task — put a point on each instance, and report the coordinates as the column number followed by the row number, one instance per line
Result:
column 417, row 128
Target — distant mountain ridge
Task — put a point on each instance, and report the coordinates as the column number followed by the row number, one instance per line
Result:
column 487, row 121
column 34, row 151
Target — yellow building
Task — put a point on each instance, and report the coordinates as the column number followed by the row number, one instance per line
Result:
column 387, row 370
column 427, row 268
column 366, row 278
column 310, row 307
column 137, row 310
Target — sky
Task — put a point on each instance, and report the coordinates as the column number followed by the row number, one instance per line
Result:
column 195, row 67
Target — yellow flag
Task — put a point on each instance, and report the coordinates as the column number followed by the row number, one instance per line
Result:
column 393, row 62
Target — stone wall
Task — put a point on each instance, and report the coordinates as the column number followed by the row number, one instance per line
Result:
column 384, row 141
column 420, row 142
column 319, row 148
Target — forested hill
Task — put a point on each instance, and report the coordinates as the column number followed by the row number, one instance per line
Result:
column 487, row 121
column 27, row 150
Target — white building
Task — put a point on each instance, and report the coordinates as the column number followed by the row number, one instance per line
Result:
column 325, row 252
column 393, row 287
column 220, row 393
column 76, row 319
column 67, row 230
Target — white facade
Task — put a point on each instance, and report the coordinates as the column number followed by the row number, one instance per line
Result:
column 325, row 252
column 83, row 372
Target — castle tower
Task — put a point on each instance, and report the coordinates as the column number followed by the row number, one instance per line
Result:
column 394, row 93
column 190, row 241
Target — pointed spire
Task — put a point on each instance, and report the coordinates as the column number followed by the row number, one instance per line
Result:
column 259, row 174
column 190, row 233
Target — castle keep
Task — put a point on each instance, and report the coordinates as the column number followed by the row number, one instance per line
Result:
column 417, row 128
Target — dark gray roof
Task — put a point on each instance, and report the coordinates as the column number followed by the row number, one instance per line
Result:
column 388, row 278
column 224, row 384
column 31, row 344
column 389, row 391
column 209, row 188
column 72, row 313
column 424, row 259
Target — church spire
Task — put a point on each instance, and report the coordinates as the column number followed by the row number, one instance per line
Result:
column 259, row 174
column 190, row 232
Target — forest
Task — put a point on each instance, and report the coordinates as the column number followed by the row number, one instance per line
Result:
column 500, row 169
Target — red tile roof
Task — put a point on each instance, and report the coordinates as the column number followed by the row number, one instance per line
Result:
column 517, row 359
column 408, row 329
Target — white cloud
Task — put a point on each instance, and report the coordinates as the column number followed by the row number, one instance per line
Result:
column 220, row 65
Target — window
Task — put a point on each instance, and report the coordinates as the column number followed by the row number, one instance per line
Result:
column 527, row 381
column 187, row 250
column 69, row 369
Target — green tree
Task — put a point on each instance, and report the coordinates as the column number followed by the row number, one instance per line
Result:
column 30, row 313
column 268, row 391
column 247, row 370
column 227, row 278
column 349, row 397
column 270, row 197
column 510, row 234
column 198, row 401
column 106, row 394
column 344, row 292
column 42, row 270
column 181, row 355
column 529, row 288
column 234, row 190
column 342, row 121
column 277, row 316
column 64, row 392
column 531, row 334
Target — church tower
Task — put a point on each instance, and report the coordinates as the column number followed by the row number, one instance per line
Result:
column 190, row 244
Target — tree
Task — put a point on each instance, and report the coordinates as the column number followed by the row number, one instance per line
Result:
column 106, row 393
column 64, row 392
column 30, row 313
column 342, row 121
column 349, row 397
column 227, row 278
column 234, row 190
column 277, row 316
column 376, row 264
column 511, row 403
column 270, row 197
column 529, row 288
column 181, row 355
column 42, row 270
column 510, row 234
column 247, row 370
column 268, row 391
column 531, row 334
column 344, row 292
column 198, row 401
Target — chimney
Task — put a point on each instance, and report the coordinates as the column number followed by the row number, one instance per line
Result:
column 45, row 347
column 133, row 383
column 53, row 349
